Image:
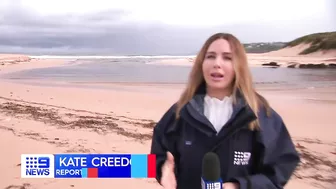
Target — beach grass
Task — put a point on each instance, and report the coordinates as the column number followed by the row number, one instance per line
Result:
column 317, row 41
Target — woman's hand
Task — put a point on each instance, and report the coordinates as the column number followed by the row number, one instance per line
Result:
column 230, row 185
column 168, row 180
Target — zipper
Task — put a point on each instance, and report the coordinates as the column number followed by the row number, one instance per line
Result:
column 233, row 130
column 230, row 133
column 231, row 158
column 231, row 147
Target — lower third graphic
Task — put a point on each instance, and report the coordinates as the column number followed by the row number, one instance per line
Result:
column 37, row 166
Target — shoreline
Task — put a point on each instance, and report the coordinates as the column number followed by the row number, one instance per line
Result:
column 153, row 87
column 61, row 119
column 254, row 59
column 31, row 64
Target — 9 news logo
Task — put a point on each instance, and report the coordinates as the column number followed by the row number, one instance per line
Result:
column 37, row 166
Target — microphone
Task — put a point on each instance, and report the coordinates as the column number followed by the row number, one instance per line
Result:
column 211, row 172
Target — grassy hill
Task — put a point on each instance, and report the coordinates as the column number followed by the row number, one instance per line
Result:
column 319, row 41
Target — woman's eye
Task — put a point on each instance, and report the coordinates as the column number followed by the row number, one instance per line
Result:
column 227, row 58
column 210, row 56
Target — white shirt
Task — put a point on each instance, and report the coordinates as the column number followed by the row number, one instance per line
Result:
column 218, row 111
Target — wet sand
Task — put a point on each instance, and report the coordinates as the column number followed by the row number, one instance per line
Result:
column 45, row 119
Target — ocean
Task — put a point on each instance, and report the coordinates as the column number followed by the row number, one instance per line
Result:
column 142, row 69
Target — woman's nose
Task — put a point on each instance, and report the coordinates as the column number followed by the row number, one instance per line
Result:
column 217, row 63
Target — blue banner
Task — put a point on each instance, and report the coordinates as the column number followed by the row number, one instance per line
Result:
column 92, row 166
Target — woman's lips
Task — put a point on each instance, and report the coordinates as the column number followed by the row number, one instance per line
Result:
column 217, row 76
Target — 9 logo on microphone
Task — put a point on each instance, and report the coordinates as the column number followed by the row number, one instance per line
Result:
column 216, row 185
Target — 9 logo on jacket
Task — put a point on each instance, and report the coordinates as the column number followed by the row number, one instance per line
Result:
column 37, row 166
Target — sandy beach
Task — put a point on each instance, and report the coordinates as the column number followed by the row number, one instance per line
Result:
column 56, row 119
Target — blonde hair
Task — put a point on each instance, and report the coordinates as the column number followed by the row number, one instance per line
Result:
column 242, row 82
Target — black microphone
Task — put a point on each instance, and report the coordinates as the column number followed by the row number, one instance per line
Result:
column 211, row 172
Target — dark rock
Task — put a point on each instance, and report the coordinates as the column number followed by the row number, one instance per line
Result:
column 271, row 64
column 313, row 66
column 322, row 65
column 303, row 66
column 332, row 65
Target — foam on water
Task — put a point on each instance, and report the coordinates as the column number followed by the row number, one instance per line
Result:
column 110, row 57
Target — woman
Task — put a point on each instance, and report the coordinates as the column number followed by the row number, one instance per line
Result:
column 220, row 111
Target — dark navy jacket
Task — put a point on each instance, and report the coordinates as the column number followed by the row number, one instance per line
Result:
column 263, row 159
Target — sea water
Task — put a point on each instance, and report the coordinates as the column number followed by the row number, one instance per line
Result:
column 146, row 69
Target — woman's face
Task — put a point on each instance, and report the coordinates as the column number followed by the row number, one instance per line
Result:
column 217, row 66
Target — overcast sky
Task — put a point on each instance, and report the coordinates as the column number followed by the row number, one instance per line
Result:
column 151, row 27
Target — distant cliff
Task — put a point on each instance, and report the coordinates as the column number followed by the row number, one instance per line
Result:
column 263, row 47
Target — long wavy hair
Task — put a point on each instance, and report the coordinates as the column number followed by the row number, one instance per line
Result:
column 242, row 82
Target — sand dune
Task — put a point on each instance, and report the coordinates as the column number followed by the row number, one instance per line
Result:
column 291, row 56
column 296, row 50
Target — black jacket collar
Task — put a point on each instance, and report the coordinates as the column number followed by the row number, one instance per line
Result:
column 198, row 100
column 193, row 111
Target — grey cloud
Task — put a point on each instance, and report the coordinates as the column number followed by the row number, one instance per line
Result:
column 21, row 18
column 23, row 31
column 101, row 32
